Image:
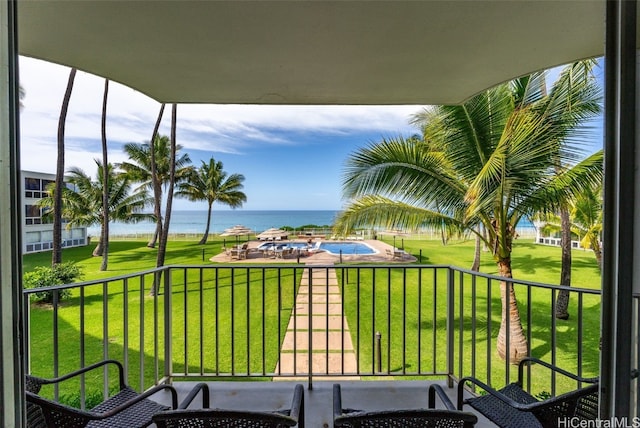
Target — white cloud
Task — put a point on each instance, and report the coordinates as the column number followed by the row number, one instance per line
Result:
column 40, row 156
column 132, row 115
column 211, row 129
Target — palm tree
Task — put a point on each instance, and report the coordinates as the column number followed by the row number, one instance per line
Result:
column 82, row 206
column 104, row 240
column 587, row 220
column 562, row 302
column 211, row 183
column 482, row 166
column 56, row 250
column 581, row 217
column 164, row 228
column 140, row 170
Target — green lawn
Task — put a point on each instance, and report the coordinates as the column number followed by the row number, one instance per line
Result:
column 425, row 306
column 234, row 352
column 128, row 340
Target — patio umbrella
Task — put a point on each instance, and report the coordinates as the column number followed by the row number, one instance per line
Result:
column 236, row 231
column 273, row 233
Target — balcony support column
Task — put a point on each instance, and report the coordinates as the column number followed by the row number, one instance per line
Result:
column 621, row 240
column 11, row 328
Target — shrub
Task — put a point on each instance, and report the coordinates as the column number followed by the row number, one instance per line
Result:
column 45, row 276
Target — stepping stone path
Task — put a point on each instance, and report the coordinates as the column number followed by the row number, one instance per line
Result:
column 331, row 345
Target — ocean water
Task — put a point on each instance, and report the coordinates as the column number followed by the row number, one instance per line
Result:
column 194, row 222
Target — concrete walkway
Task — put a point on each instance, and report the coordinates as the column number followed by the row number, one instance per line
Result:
column 319, row 329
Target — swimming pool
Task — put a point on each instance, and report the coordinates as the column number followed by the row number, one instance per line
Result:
column 347, row 248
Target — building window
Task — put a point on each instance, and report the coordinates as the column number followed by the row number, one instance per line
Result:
column 32, row 214
column 32, row 183
column 45, row 185
column 36, row 187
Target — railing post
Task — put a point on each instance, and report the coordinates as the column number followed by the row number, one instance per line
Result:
column 379, row 351
column 310, row 330
column 168, row 365
column 450, row 323
column 26, row 312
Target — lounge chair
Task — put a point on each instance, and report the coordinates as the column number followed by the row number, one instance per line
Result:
column 125, row 409
column 402, row 418
column 207, row 417
column 399, row 254
column 512, row 406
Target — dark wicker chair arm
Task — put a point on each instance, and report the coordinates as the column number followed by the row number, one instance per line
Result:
column 114, row 411
column 192, row 395
column 83, row 370
column 146, row 394
column 400, row 417
column 532, row 407
column 337, row 400
column 297, row 405
column 551, row 367
column 437, row 390
column 488, row 389
column 208, row 417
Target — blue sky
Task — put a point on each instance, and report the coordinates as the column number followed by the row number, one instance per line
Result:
column 291, row 156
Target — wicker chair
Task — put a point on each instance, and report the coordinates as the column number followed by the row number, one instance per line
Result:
column 417, row 418
column 511, row 406
column 209, row 418
column 126, row 409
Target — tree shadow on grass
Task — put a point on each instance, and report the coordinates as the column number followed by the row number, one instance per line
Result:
column 567, row 339
column 76, row 349
column 526, row 260
column 69, row 356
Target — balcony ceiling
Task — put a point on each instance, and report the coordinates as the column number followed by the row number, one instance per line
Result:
column 311, row 52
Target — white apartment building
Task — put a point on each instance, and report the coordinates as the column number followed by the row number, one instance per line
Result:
column 37, row 234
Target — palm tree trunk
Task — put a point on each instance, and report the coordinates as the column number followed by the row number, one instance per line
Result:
column 56, row 252
column 162, row 247
column 97, row 252
column 517, row 346
column 105, row 183
column 156, row 234
column 206, row 230
column 562, row 303
column 155, row 182
column 597, row 251
column 598, row 254
column 476, row 257
column 157, row 211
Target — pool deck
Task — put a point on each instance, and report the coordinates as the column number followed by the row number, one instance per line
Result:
column 319, row 257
